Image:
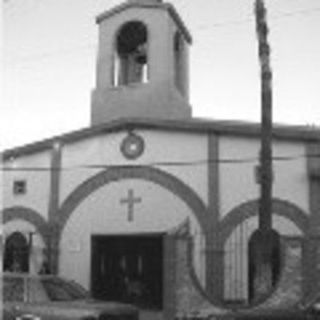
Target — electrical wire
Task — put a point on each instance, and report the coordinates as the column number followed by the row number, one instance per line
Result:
column 251, row 18
column 199, row 162
column 88, row 46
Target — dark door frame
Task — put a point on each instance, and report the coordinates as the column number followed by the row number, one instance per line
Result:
column 97, row 244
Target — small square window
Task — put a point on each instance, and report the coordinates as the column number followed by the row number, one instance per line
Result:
column 19, row 187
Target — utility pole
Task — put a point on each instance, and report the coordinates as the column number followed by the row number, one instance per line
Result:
column 264, row 243
column 265, row 209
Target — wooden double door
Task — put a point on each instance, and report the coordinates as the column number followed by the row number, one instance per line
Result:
column 128, row 269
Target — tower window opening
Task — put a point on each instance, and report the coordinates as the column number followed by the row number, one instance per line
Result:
column 178, row 60
column 131, row 63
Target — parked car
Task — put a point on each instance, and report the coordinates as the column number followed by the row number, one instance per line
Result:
column 48, row 297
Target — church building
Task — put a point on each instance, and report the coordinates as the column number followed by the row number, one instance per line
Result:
column 151, row 206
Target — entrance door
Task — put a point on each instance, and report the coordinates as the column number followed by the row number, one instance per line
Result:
column 128, row 269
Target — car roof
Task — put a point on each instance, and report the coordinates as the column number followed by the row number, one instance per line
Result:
column 30, row 275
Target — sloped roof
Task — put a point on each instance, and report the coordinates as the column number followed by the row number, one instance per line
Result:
column 149, row 5
column 195, row 126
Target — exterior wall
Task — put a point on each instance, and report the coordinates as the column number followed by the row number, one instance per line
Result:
column 291, row 177
column 239, row 194
column 162, row 150
column 37, row 194
column 312, row 253
column 177, row 177
column 238, row 180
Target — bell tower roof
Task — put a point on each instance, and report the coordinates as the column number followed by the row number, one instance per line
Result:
column 157, row 4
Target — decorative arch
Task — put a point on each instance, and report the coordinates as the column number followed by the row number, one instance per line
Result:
column 166, row 180
column 249, row 209
column 29, row 215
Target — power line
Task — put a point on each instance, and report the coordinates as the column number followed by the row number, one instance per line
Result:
column 297, row 12
column 250, row 18
column 85, row 47
column 252, row 160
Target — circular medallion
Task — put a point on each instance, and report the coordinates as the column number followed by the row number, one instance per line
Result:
column 132, row 146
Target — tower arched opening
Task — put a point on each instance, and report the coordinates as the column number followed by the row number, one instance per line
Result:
column 131, row 63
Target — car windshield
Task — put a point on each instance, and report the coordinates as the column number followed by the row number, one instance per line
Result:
column 59, row 290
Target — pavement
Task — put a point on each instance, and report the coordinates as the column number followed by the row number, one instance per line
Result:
column 151, row 315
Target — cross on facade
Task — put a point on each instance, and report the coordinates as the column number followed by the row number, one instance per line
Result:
column 130, row 201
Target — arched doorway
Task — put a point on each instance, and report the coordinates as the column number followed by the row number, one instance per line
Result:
column 16, row 253
column 141, row 250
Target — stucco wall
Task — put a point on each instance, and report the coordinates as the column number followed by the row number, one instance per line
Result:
column 37, row 182
column 164, row 150
column 178, row 164
column 238, row 180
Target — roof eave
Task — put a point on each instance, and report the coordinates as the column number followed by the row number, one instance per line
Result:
column 164, row 6
column 228, row 128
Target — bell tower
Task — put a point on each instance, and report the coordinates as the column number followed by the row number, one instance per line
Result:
column 142, row 65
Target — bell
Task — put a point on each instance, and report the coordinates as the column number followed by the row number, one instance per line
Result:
column 141, row 58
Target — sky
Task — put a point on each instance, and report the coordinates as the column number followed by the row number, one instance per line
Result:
column 49, row 52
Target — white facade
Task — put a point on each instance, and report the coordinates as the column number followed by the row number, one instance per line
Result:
column 108, row 198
